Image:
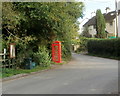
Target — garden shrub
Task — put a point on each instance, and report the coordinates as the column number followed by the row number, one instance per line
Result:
column 109, row 47
column 42, row 57
column 23, row 48
column 66, row 52
column 83, row 44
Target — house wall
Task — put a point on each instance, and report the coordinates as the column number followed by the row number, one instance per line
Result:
column 110, row 28
column 92, row 31
column 75, row 47
column 119, row 25
column 119, row 20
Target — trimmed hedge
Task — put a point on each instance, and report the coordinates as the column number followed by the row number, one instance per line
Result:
column 107, row 47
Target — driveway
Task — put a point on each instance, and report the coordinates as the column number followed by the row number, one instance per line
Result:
column 82, row 75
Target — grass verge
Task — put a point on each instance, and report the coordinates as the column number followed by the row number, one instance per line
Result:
column 7, row 72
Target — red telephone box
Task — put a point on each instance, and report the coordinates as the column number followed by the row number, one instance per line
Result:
column 56, row 51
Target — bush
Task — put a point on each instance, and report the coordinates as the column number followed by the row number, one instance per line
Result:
column 109, row 47
column 83, row 44
column 42, row 57
column 66, row 52
column 23, row 47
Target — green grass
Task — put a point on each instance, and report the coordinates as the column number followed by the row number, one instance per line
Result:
column 104, row 56
column 63, row 62
column 7, row 72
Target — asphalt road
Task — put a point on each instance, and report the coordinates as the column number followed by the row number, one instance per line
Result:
column 82, row 75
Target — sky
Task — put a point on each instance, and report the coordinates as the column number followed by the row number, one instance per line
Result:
column 93, row 5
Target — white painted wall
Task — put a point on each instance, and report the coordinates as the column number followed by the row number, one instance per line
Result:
column 75, row 47
column 119, row 26
column 111, row 28
column 119, row 4
column 119, row 20
column 92, row 31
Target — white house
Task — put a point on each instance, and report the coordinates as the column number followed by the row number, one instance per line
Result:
column 110, row 19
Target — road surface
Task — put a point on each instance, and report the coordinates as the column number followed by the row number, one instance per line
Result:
column 82, row 75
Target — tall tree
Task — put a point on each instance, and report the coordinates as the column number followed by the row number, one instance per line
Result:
column 46, row 21
column 100, row 24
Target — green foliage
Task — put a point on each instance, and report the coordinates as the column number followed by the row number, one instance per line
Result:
column 83, row 44
column 100, row 24
column 24, row 48
column 75, row 41
column 10, row 18
column 31, row 24
column 42, row 57
column 66, row 52
column 46, row 21
column 49, row 21
column 104, row 47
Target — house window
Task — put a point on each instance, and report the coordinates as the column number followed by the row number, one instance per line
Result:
column 111, row 23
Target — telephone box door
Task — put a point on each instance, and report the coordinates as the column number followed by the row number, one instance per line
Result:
column 56, row 51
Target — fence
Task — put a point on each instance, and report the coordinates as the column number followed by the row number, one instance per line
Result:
column 6, row 62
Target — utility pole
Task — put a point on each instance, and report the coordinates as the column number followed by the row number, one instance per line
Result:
column 116, row 13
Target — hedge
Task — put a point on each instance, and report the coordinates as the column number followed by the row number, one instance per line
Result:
column 83, row 44
column 104, row 47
